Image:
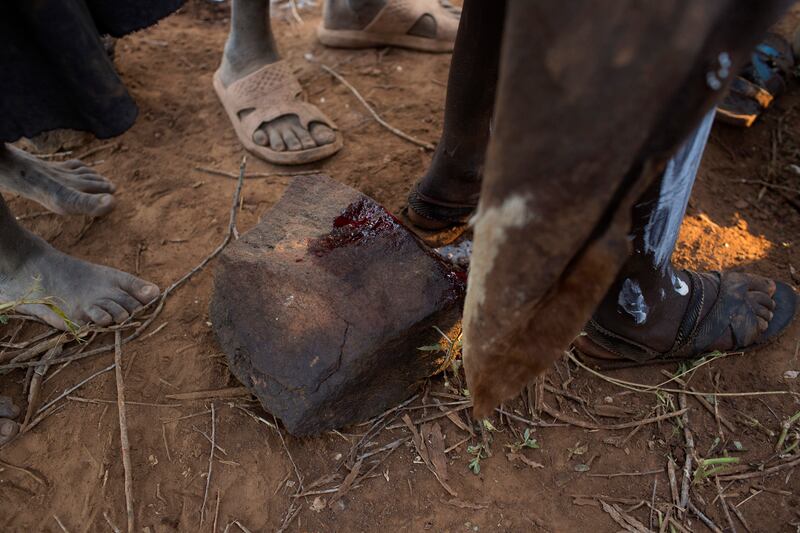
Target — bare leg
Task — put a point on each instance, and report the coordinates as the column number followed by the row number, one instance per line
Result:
column 251, row 46
column 649, row 299
column 68, row 188
column 31, row 270
column 456, row 170
column 586, row 119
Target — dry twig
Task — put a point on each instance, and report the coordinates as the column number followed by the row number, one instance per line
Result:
column 761, row 473
column 123, row 430
column 689, row 447
column 378, row 119
column 161, row 300
column 210, row 463
column 230, row 392
column 612, row 427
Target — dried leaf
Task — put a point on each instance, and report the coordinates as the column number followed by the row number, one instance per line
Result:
column 578, row 449
column 434, row 442
column 627, row 522
column 318, row 505
column 463, row 504
column 519, row 457
column 348, row 482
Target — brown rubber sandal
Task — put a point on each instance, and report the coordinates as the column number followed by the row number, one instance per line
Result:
column 697, row 333
column 391, row 25
column 272, row 92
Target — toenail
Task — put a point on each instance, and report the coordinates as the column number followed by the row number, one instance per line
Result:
column 260, row 138
column 150, row 291
column 7, row 429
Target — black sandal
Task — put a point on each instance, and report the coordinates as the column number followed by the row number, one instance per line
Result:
column 696, row 334
column 431, row 214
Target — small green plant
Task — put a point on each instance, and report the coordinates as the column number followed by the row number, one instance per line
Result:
column 478, row 453
column 709, row 467
column 451, row 349
column 785, row 427
column 527, row 442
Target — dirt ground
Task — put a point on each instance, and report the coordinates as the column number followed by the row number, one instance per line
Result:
column 745, row 214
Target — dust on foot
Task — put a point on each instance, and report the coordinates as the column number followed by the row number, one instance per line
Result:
column 66, row 188
column 85, row 292
column 8, row 411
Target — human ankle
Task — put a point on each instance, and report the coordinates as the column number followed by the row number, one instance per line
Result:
column 351, row 14
column 16, row 245
column 456, row 172
column 250, row 41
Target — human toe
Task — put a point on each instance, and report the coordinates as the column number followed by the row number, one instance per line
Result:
column 117, row 312
column 94, row 184
column 761, row 284
column 291, row 141
column 260, row 137
column 99, row 316
column 305, row 137
column 75, row 202
column 322, row 133
column 7, row 408
column 144, row 291
column 276, row 140
column 8, row 430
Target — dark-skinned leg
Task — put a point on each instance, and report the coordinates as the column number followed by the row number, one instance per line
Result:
column 66, row 188
column 454, row 176
column 651, row 304
column 251, row 46
column 585, row 121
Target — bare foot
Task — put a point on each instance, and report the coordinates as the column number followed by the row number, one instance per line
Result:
column 68, row 188
column 8, row 411
column 31, row 269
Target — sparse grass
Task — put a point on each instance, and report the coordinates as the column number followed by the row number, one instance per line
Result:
column 785, row 427
column 711, row 467
column 7, row 308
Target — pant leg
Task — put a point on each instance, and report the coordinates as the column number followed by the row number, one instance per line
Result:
column 592, row 102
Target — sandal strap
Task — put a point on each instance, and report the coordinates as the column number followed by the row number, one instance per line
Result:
column 620, row 346
column 684, row 339
column 272, row 92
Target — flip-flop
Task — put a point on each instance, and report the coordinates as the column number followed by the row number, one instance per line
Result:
column 391, row 25
column 431, row 214
column 269, row 93
column 762, row 80
column 696, row 333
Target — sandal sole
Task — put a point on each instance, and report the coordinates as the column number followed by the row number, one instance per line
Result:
column 363, row 39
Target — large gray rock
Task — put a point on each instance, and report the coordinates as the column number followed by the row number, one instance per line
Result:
column 322, row 306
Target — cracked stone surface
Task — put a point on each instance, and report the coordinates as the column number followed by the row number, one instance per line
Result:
column 321, row 307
